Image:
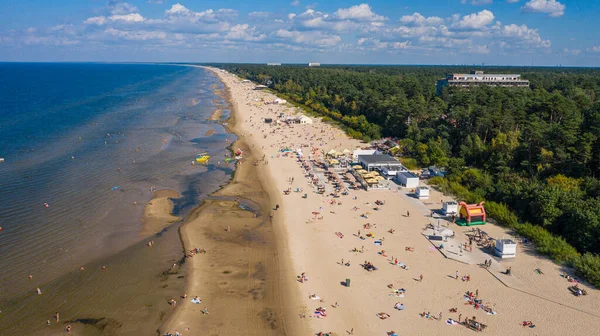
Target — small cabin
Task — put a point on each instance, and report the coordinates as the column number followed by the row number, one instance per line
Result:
column 422, row 192
column 268, row 120
column 450, row 208
column 407, row 179
column 505, row 248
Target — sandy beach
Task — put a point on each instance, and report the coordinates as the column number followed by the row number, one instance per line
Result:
column 157, row 212
column 328, row 239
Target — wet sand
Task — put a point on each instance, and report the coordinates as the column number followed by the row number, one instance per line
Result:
column 238, row 278
column 216, row 115
column 157, row 212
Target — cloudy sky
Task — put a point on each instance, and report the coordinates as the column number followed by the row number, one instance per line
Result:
column 513, row 32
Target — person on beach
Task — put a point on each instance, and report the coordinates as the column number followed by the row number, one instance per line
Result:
column 68, row 329
column 39, row 291
column 421, row 278
column 57, row 317
column 456, row 276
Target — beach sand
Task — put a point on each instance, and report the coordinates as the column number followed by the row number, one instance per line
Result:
column 157, row 212
column 303, row 242
column 237, row 278
column 216, row 115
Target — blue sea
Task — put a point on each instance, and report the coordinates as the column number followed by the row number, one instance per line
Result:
column 89, row 140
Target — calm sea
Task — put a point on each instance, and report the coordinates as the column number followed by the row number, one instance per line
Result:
column 90, row 140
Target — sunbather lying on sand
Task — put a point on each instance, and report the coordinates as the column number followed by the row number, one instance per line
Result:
column 383, row 315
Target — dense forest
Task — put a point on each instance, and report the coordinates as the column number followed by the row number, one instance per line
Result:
column 534, row 153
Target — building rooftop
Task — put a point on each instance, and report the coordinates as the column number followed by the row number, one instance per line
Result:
column 379, row 159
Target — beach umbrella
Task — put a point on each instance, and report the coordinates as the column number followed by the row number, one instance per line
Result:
column 331, row 152
column 347, row 151
column 357, row 167
column 380, row 178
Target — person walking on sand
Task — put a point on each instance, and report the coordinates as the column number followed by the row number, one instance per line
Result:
column 57, row 317
column 407, row 213
column 456, row 275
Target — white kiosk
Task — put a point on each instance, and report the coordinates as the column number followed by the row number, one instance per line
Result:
column 450, row 208
column 422, row 192
column 505, row 248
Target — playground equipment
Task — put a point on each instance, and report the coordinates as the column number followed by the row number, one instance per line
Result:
column 471, row 214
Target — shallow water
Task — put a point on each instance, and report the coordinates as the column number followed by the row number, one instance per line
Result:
column 66, row 130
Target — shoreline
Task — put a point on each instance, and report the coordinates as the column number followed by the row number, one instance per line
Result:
column 248, row 252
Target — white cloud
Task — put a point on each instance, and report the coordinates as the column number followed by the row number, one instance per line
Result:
column 475, row 20
column 512, row 1
column 96, row 20
column 122, row 8
column 595, row 49
column 177, row 9
column 360, row 12
column 574, row 52
column 259, row 15
column 139, row 35
column 291, row 16
column 178, row 13
column 479, row 49
column 524, row 34
column 31, row 30
column 419, row 20
column 477, row 2
column 243, row 32
column 156, row 2
column 315, row 38
column 373, row 43
column 295, row 3
column 551, row 7
column 133, row 17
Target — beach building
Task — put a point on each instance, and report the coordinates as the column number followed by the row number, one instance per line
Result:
column 245, row 81
column 422, row 192
column 358, row 152
column 450, row 208
column 279, row 101
column 273, row 64
column 260, row 87
column 505, row 248
column 314, row 64
column 304, row 120
column 380, row 161
column 478, row 78
column 407, row 179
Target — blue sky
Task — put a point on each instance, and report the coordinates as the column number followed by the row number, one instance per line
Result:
column 507, row 32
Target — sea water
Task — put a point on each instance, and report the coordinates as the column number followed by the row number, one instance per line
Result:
column 82, row 144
